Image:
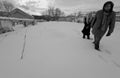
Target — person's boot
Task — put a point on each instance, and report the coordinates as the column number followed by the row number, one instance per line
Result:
column 83, row 36
column 97, row 47
column 88, row 36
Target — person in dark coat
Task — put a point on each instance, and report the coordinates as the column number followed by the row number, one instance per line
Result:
column 87, row 26
column 104, row 20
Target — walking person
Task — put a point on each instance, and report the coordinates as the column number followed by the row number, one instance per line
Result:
column 87, row 26
column 104, row 19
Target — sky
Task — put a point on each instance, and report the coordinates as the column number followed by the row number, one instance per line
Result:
column 37, row 6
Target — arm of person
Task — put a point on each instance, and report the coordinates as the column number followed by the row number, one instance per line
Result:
column 94, row 18
column 93, row 21
column 112, row 24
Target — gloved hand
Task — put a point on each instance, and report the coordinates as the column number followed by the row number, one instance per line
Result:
column 108, row 34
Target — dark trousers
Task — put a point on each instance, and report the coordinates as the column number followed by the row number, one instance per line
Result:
column 88, row 36
column 97, row 40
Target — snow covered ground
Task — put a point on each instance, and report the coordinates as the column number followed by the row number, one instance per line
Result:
column 57, row 50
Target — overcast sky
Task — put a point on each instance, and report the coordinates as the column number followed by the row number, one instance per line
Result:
column 66, row 5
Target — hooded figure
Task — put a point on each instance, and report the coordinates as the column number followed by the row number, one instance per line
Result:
column 104, row 20
column 87, row 26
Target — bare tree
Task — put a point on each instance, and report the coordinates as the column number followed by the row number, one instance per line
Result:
column 58, row 13
column 54, row 13
column 1, row 6
column 51, row 11
column 8, row 6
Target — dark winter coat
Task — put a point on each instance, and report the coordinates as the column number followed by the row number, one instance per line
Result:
column 110, row 23
column 87, row 26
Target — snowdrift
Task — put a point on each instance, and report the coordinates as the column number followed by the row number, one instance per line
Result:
column 57, row 50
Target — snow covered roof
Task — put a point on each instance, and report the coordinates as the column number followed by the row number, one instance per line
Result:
column 18, row 13
column 12, row 18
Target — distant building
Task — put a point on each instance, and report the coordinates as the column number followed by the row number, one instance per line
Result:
column 42, row 17
column 16, row 16
column 24, row 18
column 18, row 13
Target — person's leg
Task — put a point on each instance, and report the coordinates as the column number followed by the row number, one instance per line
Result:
column 88, row 36
column 83, row 35
column 94, row 39
column 97, row 42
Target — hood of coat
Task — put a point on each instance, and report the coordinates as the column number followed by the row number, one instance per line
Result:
column 107, row 3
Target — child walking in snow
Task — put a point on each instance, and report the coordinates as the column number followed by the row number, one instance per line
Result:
column 87, row 27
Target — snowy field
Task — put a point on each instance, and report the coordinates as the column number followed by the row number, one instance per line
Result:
column 57, row 50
